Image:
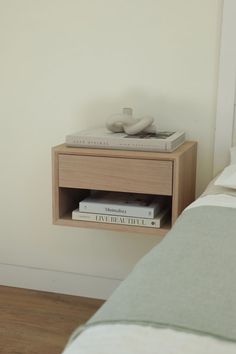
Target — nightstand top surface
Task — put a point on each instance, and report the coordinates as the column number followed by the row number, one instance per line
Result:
column 63, row 149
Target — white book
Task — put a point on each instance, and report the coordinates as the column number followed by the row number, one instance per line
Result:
column 165, row 141
column 122, row 204
column 156, row 222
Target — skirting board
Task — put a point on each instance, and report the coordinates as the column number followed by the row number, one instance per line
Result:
column 57, row 281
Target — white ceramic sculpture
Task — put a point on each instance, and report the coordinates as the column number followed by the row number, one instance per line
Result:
column 125, row 122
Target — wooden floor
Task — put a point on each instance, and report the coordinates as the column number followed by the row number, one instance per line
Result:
column 34, row 322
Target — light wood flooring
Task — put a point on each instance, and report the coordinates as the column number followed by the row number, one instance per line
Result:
column 35, row 322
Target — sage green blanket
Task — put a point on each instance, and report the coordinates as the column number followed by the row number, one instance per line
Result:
column 187, row 282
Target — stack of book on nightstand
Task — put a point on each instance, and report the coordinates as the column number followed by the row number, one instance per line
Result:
column 123, row 208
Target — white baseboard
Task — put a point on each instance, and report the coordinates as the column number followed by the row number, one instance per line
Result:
column 57, row 281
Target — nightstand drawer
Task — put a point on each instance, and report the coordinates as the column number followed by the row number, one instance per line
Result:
column 117, row 174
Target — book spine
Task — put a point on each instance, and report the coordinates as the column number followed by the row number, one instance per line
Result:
column 114, row 219
column 123, row 144
column 119, row 210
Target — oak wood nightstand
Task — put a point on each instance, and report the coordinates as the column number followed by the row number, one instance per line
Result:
column 77, row 171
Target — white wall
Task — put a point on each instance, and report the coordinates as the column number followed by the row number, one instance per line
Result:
column 67, row 65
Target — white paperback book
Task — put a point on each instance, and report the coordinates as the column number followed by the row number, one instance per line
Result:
column 163, row 141
column 156, row 222
column 122, row 204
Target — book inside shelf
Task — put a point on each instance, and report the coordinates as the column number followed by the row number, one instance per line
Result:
column 69, row 201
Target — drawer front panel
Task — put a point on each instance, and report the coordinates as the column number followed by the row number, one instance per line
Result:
column 115, row 174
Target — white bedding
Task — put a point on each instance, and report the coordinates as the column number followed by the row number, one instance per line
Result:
column 222, row 200
column 134, row 339
column 137, row 339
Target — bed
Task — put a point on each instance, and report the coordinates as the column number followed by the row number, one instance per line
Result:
column 181, row 297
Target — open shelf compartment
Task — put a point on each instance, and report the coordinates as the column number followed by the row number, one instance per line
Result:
column 68, row 200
